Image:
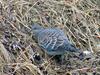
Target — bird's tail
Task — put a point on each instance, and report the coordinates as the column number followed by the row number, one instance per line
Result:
column 72, row 48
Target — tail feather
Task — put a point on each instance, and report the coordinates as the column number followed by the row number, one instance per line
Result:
column 72, row 48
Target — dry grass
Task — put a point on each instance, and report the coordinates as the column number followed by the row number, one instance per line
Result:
column 80, row 20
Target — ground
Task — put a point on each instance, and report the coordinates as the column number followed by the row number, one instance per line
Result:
column 21, row 55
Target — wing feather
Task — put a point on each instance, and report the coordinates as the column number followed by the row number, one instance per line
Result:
column 51, row 39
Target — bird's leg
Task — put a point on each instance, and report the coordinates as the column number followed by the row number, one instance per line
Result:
column 62, row 59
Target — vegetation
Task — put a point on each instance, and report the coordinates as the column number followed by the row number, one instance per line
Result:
column 20, row 54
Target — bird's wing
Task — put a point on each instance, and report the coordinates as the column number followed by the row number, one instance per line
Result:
column 51, row 39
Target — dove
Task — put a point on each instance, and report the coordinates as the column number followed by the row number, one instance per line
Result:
column 53, row 41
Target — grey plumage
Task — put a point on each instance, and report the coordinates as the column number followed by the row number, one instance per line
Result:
column 52, row 40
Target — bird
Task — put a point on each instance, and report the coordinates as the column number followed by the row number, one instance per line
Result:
column 53, row 41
